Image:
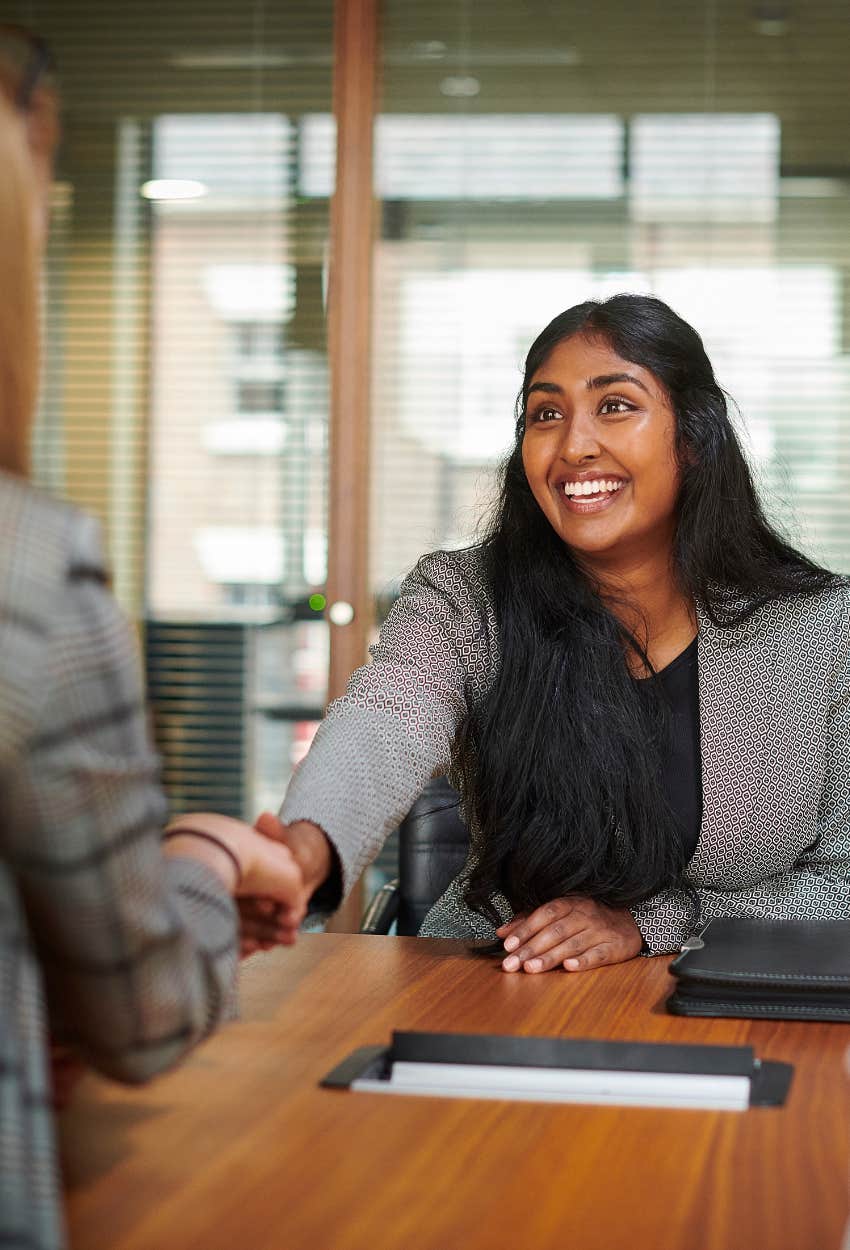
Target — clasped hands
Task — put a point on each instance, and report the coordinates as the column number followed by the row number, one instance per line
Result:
column 270, row 915
column 574, row 933
column 270, row 869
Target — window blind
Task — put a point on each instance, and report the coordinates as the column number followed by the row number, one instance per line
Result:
column 185, row 392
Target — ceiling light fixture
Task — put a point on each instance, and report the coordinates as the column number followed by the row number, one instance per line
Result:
column 173, row 189
column 429, row 50
column 460, row 85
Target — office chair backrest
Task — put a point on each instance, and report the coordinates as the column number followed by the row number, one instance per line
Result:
column 433, row 843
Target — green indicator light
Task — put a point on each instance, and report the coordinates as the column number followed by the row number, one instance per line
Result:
column 317, row 602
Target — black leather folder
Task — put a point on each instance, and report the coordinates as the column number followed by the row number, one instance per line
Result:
column 779, row 969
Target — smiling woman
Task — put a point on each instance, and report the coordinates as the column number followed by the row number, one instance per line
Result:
column 640, row 690
column 599, row 454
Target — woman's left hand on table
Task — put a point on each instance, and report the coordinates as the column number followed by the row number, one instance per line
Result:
column 574, row 933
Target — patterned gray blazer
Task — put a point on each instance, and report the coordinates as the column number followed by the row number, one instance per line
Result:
column 134, row 954
column 774, row 702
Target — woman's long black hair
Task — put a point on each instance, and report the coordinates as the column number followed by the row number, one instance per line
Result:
column 560, row 762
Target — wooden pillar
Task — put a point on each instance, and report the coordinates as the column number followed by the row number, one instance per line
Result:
column 349, row 350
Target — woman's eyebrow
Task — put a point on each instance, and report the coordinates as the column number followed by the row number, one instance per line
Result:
column 607, row 379
column 593, row 384
column 550, row 388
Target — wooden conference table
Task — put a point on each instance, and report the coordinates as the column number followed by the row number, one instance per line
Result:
column 240, row 1148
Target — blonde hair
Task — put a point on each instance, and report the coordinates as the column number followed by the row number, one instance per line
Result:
column 19, row 299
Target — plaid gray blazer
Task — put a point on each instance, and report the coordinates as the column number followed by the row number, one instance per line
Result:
column 129, row 956
column 774, row 697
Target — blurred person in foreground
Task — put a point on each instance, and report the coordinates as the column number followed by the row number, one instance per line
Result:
column 121, row 942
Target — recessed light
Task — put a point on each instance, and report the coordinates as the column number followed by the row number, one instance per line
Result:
column 429, row 49
column 173, row 189
column 462, row 85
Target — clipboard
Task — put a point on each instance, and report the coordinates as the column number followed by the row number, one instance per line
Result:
column 565, row 1070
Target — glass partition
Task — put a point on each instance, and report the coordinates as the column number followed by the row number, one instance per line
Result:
column 528, row 158
column 186, row 381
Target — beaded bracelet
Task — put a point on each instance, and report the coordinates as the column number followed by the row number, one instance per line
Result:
column 208, row 837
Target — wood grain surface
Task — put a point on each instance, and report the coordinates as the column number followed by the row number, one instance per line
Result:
column 240, row 1148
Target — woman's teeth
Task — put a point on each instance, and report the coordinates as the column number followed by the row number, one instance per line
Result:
column 572, row 489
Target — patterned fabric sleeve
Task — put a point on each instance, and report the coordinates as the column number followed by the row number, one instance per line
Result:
column 818, row 885
column 394, row 727
column 138, row 952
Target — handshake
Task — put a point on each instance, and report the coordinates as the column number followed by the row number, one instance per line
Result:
column 271, row 869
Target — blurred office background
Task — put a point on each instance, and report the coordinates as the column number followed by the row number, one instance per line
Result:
column 527, row 154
